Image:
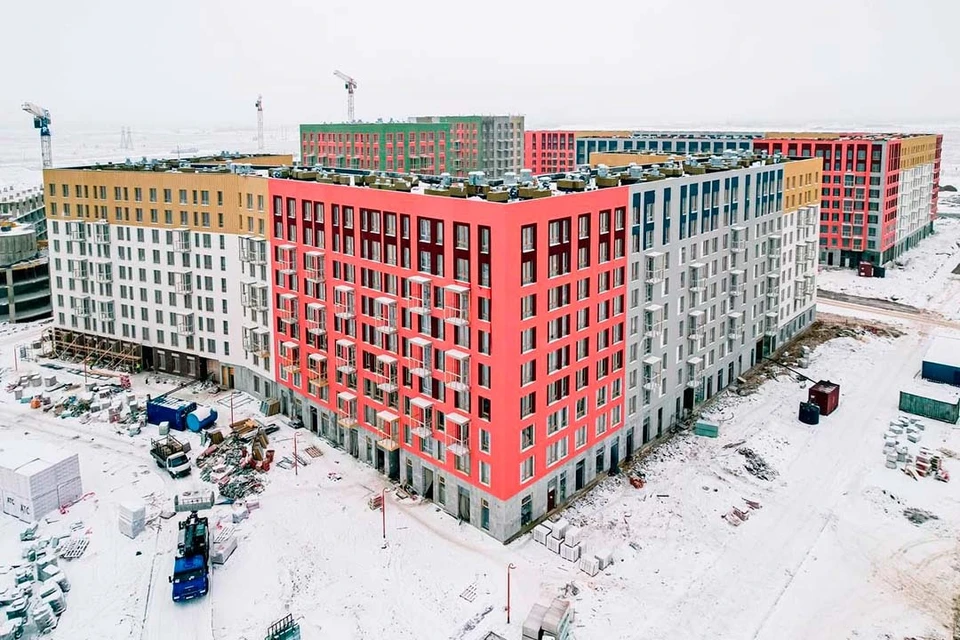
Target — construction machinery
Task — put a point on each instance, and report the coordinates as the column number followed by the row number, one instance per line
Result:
column 191, row 566
column 351, row 86
column 260, row 123
column 41, row 120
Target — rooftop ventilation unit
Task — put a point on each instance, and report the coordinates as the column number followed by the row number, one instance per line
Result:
column 509, row 179
column 526, row 176
column 602, row 171
column 445, row 180
column 476, row 178
column 634, row 170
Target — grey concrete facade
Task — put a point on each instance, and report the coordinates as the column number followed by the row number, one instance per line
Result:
column 678, row 142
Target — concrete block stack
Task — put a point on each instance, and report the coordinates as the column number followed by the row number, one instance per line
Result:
column 549, row 621
column 132, row 518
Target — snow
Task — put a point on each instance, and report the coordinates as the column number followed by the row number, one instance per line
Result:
column 923, row 277
column 944, row 350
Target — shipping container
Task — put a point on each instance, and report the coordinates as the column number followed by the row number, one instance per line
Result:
column 866, row 270
column 826, row 395
column 172, row 410
column 942, row 361
column 933, row 408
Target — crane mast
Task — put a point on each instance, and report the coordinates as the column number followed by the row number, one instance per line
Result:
column 260, row 122
column 351, row 86
column 41, row 120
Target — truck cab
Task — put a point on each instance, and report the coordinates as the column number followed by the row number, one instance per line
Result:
column 178, row 465
column 190, row 578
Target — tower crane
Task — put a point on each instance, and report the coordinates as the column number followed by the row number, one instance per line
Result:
column 351, row 86
column 41, row 120
column 260, row 123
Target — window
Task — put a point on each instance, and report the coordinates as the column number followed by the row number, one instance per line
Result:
column 528, row 404
column 526, row 438
column 484, row 441
column 528, row 236
column 528, row 306
column 526, row 469
column 484, row 473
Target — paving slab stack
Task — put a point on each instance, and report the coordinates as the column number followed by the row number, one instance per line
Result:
column 549, row 621
column 132, row 518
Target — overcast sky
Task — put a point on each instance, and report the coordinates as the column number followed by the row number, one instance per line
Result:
column 630, row 63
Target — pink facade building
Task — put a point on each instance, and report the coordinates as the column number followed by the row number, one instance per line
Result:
column 485, row 385
column 549, row 151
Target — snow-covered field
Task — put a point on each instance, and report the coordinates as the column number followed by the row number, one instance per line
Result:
column 829, row 554
column 923, row 277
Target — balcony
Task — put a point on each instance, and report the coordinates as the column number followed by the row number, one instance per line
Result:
column 698, row 277
column 457, row 305
column 316, row 318
column 388, row 424
column 82, row 307
column 185, row 324
column 800, row 255
column 419, row 351
column 418, row 295
column 256, row 340
column 738, row 239
column 181, row 240
column 387, row 373
column 346, row 356
column 773, row 280
column 79, row 268
column 317, row 369
column 105, row 311
column 694, row 372
column 654, row 267
column 738, row 282
column 774, row 242
column 457, row 371
column 344, row 302
column 347, row 409
column 696, row 325
column 773, row 262
column 421, row 416
column 183, row 282
column 385, row 319
column 810, row 284
column 287, row 258
column 460, row 440
column 652, row 320
column 652, row 371
column 734, row 325
column 253, row 250
column 253, row 295
column 314, row 264
column 290, row 357
column 101, row 233
column 770, row 328
column 76, row 231
column 287, row 309
column 799, row 289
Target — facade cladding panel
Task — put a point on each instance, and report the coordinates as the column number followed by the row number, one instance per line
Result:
column 500, row 388
column 487, row 349
column 548, row 151
column 879, row 192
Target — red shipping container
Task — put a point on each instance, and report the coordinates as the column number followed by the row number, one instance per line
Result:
column 866, row 270
column 826, row 395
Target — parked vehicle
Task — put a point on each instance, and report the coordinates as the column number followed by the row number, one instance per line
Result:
column 191, row 566
column 171, row 455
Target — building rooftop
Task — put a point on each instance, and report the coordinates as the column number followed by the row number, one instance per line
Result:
column 19, row 193
column 680, row 135
column 851, row 135
column 526, row 186
column 944, row 350
column 224, row 162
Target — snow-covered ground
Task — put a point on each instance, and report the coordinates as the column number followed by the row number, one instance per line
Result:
column 923, row 277
column 829, row 554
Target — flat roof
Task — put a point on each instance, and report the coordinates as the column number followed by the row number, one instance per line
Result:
column 944, row 350
column 933, row 390
column 27, row 458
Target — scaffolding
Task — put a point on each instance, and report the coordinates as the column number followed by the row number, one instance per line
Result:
column 95, row 351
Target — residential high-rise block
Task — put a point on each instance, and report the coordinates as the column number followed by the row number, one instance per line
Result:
column 660, row 142
column 879, row 195
column 548, row 151
column 24, row 205
column 164, row 265
column 498, row 348
column 424, row 145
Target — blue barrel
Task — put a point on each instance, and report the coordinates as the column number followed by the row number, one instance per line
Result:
column 201, row 418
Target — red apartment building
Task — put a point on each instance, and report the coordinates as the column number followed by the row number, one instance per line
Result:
column 879, row 192
column 548, row 151
column 475, row 381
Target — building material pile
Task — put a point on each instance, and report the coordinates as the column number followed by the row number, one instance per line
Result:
column 756, row 465
column 236, row 463
column 549, row 621
column 36, row 480
column 132, row 518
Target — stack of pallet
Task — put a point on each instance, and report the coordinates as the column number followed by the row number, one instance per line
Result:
column 594, row 564
column 927, row 462
column 560, row 538
column 549, row 621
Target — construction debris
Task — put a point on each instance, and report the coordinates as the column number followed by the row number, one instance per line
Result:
column 918, row 516
column 756, row 465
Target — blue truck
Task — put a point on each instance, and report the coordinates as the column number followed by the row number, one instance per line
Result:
column 170, row 410
column 191, row 567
